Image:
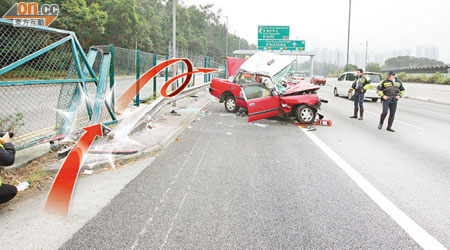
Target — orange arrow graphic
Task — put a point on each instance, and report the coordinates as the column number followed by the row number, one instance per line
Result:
column 58, row 200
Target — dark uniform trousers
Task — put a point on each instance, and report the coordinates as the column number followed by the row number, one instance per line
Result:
column 389, row 105
column 358, row 99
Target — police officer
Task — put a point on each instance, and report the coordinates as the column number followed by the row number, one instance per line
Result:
column 360, row 86
column 390, row 91
column 7, row 157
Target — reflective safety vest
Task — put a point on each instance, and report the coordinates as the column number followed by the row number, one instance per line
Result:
column 363, row 83
column 390, row 88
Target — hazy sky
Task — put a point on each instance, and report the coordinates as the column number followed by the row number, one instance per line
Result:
column 387, row 24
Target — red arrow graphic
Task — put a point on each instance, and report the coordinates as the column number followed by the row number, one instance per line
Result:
column 132, row 91
column 58, row 200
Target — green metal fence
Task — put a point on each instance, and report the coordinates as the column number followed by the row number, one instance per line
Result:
column 49, row 87
column 130, row 64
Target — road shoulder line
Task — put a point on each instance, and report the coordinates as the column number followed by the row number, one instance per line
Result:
column 416, row 232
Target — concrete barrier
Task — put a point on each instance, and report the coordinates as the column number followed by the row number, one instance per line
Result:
column 420, row 91
column 428, row 92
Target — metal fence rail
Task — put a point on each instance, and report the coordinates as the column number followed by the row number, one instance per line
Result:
column 50, row 87
column 130, row 64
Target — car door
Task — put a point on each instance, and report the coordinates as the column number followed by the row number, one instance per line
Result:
column 349, row 79
column 340, row 83
column 261, row 101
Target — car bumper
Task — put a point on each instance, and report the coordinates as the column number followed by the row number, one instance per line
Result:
column 371, row 93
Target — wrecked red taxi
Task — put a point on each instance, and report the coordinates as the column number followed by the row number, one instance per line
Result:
column 258, row 86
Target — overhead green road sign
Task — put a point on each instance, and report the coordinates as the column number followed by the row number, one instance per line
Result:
column 273, row 32
column 298, row 45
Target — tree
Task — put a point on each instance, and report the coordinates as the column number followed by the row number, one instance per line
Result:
column 121, row 28
column 373, row 67
column 410, row 61
column 352, row 67
column 87, row 21
column 146, row 23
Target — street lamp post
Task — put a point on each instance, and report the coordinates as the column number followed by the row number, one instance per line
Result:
column 226, row 37
column 348, row 36
column 367, row 46
column 365, row 61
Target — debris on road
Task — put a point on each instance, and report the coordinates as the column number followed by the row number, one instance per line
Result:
column 173, row 112
column 259, row 124
column 88, row 172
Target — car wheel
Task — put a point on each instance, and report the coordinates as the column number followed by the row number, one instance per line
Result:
column 335, row 92
column 374, row 99
column 305, row 114
column 230, row 104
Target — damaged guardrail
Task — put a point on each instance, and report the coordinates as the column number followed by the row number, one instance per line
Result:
column 131, row 126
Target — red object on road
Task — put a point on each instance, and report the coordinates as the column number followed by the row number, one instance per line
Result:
column 58, row 200
column 320, row 122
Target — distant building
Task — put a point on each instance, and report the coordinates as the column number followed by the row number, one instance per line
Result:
column 431, row 52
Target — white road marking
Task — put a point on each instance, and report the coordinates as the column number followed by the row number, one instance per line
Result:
column 434, row 112
column 173, row 221
column 416, row 232
column 185, row 195
column 396, row 121
column 144, row 229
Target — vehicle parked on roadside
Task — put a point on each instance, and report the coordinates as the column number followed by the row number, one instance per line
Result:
column 258, row 87
column 318, row 80
column 345, row 81
column 295, row 76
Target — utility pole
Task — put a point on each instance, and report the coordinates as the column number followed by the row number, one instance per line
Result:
column 348, row 36
column 367, row 45
column 226, row 37
column 174, row 42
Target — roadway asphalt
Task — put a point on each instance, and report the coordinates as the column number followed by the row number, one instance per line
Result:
column 228, row 184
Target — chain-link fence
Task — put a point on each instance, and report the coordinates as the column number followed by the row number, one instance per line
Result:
column 48, row 86
column 129, row 64
column 41, row 91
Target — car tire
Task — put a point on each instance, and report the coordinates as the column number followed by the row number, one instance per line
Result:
column 335, row 92
column 230, row 104
column 374, row 99
column 305, row 114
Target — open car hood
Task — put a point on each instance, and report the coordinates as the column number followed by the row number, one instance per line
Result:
column 301, row 87
column 233, row 65
column 266, row 63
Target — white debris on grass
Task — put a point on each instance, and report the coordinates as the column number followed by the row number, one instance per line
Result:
column 22, row 186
